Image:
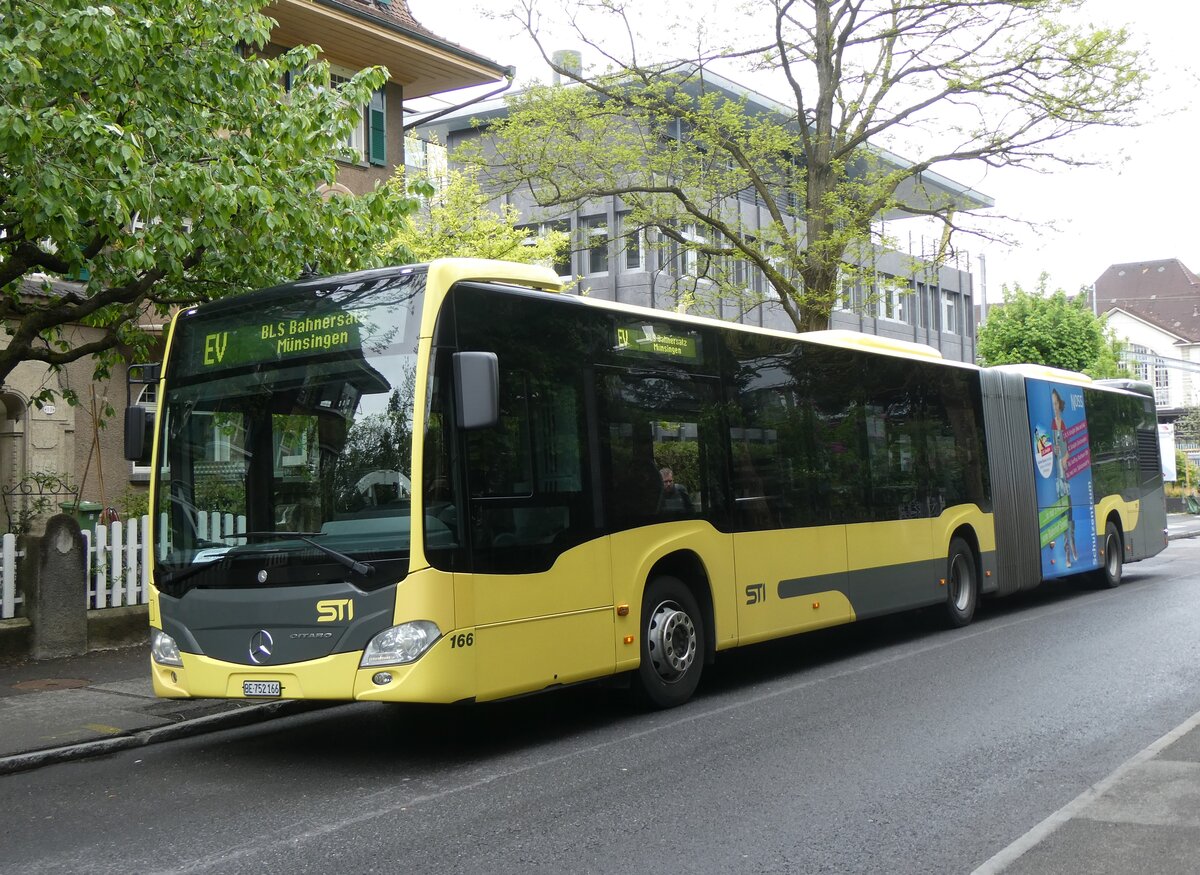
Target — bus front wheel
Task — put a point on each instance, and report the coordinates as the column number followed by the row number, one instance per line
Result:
column 672, row 644
column 1109, row 575
column 962, row 584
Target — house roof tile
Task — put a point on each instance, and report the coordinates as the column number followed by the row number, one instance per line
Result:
column 1163, row 292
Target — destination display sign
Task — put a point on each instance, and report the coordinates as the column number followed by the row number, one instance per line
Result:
column 220, row 346
column 657, row 340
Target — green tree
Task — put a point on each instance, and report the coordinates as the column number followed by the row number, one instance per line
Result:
column 457, row 222
column 147, row 150
column 1187, row 426
column 998, row 81
column 1049, row 329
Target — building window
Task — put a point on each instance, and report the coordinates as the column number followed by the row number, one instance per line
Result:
column 739, row 273
column 888, row 297
column 416, row 152
column 1162, row 384
column 338, row 78
column 594, row 238
column 631, row 243
column 904, row 303
column 562, row 266
column 950, row 306
column 1137, row 360
column 368, row 139
column 845, row 294
column 689, row 258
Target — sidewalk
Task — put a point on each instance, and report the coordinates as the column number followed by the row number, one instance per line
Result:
column 65, row 709
column 1145, row 816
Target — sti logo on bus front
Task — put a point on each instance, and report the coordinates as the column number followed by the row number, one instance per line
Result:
column 333, row 610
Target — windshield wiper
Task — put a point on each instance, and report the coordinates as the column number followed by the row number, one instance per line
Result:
column 183, row 574
column 307, row 537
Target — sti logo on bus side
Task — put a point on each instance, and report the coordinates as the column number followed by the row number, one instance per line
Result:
column 334, row 610
column 214, row 347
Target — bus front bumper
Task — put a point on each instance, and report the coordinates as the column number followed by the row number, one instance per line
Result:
column 439, row 676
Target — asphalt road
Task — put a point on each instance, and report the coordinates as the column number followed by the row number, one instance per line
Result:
column 893, row 746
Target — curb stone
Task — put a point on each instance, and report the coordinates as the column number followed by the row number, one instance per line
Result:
column 243, row 716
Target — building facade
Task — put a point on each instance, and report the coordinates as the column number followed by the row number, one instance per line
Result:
column 1154, row 306
column 898, row 294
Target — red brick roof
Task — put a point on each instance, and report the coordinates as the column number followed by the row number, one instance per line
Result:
column 395, row 11
column 1165, row 293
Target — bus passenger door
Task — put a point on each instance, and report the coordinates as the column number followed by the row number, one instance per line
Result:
column 665, row 484
column 539, row 581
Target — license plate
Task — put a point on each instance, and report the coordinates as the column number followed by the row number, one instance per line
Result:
column 261, row 689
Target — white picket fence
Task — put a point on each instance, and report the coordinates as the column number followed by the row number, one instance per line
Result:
column 9, row 597
column 118, row 568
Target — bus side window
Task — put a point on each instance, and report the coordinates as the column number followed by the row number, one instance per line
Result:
column 954, row 434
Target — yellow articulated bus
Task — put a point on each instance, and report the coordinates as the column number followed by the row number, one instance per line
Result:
column 449, row 482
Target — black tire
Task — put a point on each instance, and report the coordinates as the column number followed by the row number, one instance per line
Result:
column 962, row 584
column 672, row 646
column 1111, row 558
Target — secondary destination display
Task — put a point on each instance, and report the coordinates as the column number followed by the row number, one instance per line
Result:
column 657, row 340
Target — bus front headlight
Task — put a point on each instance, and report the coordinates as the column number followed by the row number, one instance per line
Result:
column 401, row 644
column 163, row 648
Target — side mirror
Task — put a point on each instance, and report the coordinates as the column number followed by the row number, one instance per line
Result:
column 476, row 389
column 139, row 426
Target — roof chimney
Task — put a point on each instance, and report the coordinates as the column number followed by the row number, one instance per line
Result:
column 570, row 60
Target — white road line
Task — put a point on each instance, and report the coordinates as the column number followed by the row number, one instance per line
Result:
column 1043, row 830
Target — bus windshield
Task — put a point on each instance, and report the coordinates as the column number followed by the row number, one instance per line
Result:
column 286, row 438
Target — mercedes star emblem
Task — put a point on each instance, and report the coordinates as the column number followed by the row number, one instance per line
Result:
column 261, row 643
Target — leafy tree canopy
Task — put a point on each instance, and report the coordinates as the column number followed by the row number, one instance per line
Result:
column 142, row 151
column 1004, row 82
column 1049, row 329
column 457, row 222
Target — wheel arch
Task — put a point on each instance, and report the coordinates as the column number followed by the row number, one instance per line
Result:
column 687, row 566
column 967, row 533
column 1114, row 517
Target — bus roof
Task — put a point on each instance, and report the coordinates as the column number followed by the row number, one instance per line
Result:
column 449, row 271
column 1044, row 372
column 873, row 342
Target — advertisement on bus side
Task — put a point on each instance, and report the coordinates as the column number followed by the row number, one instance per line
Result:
column 1063, row 473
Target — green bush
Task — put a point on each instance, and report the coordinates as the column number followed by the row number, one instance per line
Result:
column 134, row 503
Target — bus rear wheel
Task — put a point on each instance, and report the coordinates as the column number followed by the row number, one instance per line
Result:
column 672, row 646
column 1109, row 575
column 962, row 584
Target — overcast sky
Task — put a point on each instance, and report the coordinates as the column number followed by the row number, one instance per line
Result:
column 1139, row 207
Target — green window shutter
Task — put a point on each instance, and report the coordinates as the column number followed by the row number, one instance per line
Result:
column 377, row 133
